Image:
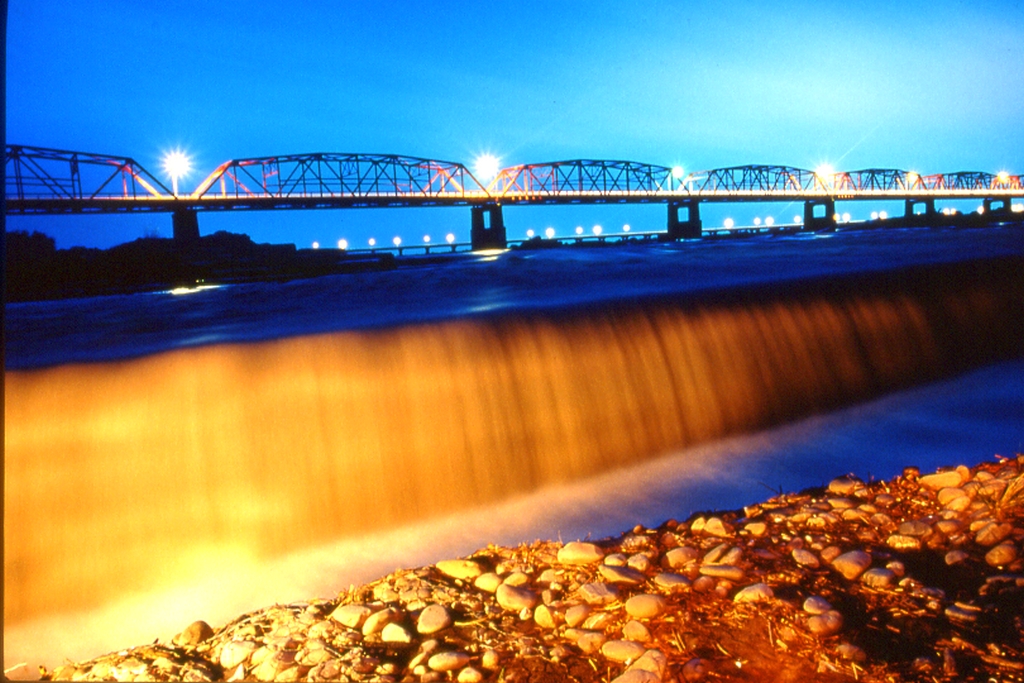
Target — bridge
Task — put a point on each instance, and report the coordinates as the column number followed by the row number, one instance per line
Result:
column 49, row 181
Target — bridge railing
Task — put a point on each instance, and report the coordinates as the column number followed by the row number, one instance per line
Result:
column 43, row 173
column 582, row 177
column 324, row 175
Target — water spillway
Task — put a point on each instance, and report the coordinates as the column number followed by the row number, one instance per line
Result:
column 126, row 475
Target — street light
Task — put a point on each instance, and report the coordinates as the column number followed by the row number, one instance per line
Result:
column 176, row 165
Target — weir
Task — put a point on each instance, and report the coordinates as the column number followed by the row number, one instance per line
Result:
column 134, row 475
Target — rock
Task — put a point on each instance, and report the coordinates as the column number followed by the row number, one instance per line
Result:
column 616, row 560
column 816, row 605
column 757, row 592
column 652, row 661
column 622, row 650
column 470, row 675
column 851, row 652
column 598, row 593
column 577, row 552
column 914, row 527
column 637, row 676
column 992, row 533
column 956, row 557
column 950, row 493
column 941, row 480
column 852, row 564
column 723, row 571
column 843, row 486
column 694, row 670
column 626, row 575
column 395, row 633
column 236, row 652
column 432, row 619
column 877, row 577
column 544, row 617
column 517, row 579
column 826, row 624
column 831, row 552
column 639, row 562
column 488, row 582
column 634, row 630
column 194, row 633
column 599, row 621
column 459, row 569
column 645, row 606
column 903, row 542
column 963, row 612
column 378, row 620
column 575, row 615
column 448, row 661
column 515, row 598
column 756, row 528
column 680, row 557
column 671, row 582
column 591, row 641
column 716, row 527
column 490, row 659
column 1001, row 555
column 352, row 616
column 805, row 558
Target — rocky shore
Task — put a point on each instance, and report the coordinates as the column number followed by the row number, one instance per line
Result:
column 920, row 578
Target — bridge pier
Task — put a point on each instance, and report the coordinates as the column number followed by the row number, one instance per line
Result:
column 926, row 218
column 186, row 227
column 827, row 221
column 691, row 228
column 488, row 228
column 1004, row 205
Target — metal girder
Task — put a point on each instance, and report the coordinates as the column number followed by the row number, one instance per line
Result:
column 42, row 173
column 754, row 178
column 339, row 175
column 581, row 177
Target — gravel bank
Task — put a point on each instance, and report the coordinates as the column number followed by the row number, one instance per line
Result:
column 917, row 578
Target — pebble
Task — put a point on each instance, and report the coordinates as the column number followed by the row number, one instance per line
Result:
column 914, row 527
column 950, row 493
column 637, row 676
column 432, row 619
column 670, row 582
column 941, row 480
column 1001, row 555
column 852, row 564
column 652, row 661
column 956, row 557
column 591, row 641
column 352, row 616
column 395, row 633
column 843, row 486
column 448, row 661
column 459, row 569
column 634, row 630
column 236, row 652
column 194, row 633
column 695, row 670
column 470, row 675
column 677, row 558
column 816, row 604
column 878, row 577
column 645, row 606
column 544, row 617
column 992, row 533
column 851, row 652
column 903, row 542
column 756, row 528
column 575, row 615
column 716, row 527
column 578, row 552
column 599, row 593
column 826, row 624
column 757, row 592
column 805, row 558
column 515, row 598
column 723, row 571
column 488, row 582
column 378, row 620
column 622, row 650
column 626, row 575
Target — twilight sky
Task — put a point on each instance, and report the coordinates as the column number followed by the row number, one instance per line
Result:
column 931, row 87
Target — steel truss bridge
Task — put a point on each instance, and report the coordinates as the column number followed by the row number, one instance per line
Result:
column 49, row 181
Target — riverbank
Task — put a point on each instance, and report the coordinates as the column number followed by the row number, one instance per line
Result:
column 920, row 577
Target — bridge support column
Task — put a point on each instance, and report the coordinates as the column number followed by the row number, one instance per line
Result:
column 919, row 219
column 488, row 228
column 691, row 228
column 186, row 227
column 1003, row 205
column 826, row 221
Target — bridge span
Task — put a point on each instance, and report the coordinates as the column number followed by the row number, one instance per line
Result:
column 48, row 181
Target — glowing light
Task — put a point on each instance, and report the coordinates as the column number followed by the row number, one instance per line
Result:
column 770, row 221
column 529, row 233
column 883, row 214
column 729, row 223
column 373, row 242
column 579, row 230
column 826, row 174
column 836, row 217
column 625, row 228
column 677, row 172
column 757, row 221
column 912, row 178
column 486, row 167
column 597, row 229
column 316, row 245
column 874, row 215
column 176, row 165
column 426, row 239
column 397, row 241
column 342, row 244
column 1018, row 208
column 846, row 217
column 1003, row 177
column 798, row 219
column 450, row 238
column 550, row 232
column 981, row 210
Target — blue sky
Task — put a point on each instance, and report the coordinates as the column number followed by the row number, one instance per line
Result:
column 932, row 87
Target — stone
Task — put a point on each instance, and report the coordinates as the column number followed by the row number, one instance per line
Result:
column 756, row 528
column 941, row 480
column 598, row 593
column 236, row 652
column 515, row 598
column 634, row 630
column 432, row 619
column 488, row 582
column 194, row 633
column 616, row 560
column 878, row 577
column 805, row 558
column 851, row 652
column 992, row 533
column 637, row 676
column 1001, row 555
column 591, row 641
column 830, row 553
column 716, row 527
column 950, row 493
column 903, row 542
column 517, row 579
column 575, row 615
column 459, row 569
column 678, row 558
column 490, row 659
column 964, row 612
column 578, row 552
column 671, row 582
column 544, row 617
column 956, row 557
column 652, row 661
column 448, row 661
column 622, row 650
column 757, row 592
column 351, row 616
column 815, row 604
column 645, row 606
column 959, row 504
column 843, row 486
column 826, row 624
column 639, row 562
column 599, row 621
column 626, row 575
column 723, row 571
column 378, row 620
column 395, row 633
column 914, row 527
column 694, row 670
column 852, row 564
column 470, row 675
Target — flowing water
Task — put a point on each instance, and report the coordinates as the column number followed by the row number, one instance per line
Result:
column 151, row 437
